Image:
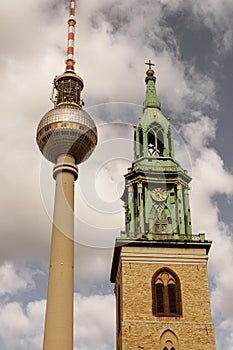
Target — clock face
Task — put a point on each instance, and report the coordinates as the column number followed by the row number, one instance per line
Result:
column 159, row 194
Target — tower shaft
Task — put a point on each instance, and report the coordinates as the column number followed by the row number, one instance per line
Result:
column 58, row 334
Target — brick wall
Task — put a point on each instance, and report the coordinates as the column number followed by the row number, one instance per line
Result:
column 140, row 329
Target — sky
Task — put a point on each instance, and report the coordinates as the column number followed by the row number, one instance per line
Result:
column 191, row 44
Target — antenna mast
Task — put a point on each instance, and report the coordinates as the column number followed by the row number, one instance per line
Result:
column 68, row 86
column 70, row 62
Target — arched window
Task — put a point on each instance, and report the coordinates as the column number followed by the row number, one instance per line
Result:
column 155, row 141
column 151, row 143
column 166, row 294
column 169, row 142
column 161, row 223
column 141, row 142
column 160, row 143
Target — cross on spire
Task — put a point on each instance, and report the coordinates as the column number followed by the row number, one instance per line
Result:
column 150, row 64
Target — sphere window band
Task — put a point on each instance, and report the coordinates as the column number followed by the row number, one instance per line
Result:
column 69, row 114
column 67, row 130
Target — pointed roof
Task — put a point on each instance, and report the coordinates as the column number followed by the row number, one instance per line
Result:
column 151, row 100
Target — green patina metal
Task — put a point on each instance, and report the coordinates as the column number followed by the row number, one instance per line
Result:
column 156, row 192
column 151, row 100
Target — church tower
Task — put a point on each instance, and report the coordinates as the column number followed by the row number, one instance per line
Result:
column 159, row 266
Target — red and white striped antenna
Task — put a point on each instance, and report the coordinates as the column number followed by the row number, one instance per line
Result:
column 70, row 62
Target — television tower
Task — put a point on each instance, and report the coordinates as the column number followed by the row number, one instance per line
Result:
column 66, row 136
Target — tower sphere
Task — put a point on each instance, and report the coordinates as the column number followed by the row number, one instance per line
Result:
column 66, row 129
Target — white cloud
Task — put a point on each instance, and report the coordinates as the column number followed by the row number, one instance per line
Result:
column 12, row 280
column 128, row 33
column 95, row 313
column 199, row 133
column 211, row 178
column 183, row 90
column 22, row 328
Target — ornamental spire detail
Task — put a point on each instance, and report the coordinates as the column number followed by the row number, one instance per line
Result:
column 151, row 100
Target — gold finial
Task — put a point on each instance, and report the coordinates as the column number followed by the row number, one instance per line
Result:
column 150, row 64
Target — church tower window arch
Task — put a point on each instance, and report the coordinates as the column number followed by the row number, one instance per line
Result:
column 160, row 221
column 166, row 294
column 160, row 143
column 140, row 136
column 155, row 140
column 151, row 141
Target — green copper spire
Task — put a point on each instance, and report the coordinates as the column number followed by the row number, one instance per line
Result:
column 151, row 100
column 156, row 195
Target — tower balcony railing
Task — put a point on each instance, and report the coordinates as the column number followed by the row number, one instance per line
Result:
column 200, row 237
column 169, row 237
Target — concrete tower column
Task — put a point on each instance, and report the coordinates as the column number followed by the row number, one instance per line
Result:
column 58, row 334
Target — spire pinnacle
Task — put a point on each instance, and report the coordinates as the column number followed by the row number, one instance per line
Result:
column 151, row 100
column 70, row 62
column 150, row 64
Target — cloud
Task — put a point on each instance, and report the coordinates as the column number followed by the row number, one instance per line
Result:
column 213, row 14
column 128, row 32
column 92, row 270
column 12, row 281
column 95, row 313
column 22, row 327
column 114, row 40
column 211, row 179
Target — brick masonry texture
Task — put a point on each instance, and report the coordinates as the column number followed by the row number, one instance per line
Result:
column 140, row 329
